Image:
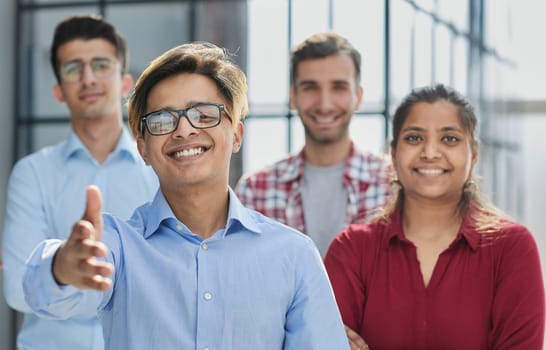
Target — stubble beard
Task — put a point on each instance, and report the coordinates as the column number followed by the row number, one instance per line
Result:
column 340, row 134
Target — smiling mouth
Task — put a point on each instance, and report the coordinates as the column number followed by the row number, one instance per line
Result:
column 188, row 152
column 324, row 120
column 90, row 96
column 430, row 172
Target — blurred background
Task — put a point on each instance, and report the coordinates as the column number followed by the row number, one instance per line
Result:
column 490, row 50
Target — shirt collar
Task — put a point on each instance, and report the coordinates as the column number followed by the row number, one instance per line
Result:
column 294, row 167
column 125, row 148
column 394, row 227
column 238, row 216
column 348, row 174
column 467, row 232
column 73, row 146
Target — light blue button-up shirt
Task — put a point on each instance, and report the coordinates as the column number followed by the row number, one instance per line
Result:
column 46, row 195
column 257, row 284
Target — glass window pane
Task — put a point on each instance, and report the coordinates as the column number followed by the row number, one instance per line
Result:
column 303, row 23
column 402, row 18
column 268, row 67
column 460, row 65
column 366, row 32
column 427, row 5
column 455, row 12
column 442, row 55
column 264, row 142
column 423, row 50
column 150, row 29
column 499, row 25
column 35, row 73
column 368, row 133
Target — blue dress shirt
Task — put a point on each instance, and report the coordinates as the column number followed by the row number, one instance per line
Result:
column 46, row 196
column 257, row 284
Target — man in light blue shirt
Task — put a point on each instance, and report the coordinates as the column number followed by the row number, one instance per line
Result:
column 46, row 190
column 193, row 269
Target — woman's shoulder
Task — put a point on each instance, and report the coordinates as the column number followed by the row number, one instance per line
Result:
column 508, row 234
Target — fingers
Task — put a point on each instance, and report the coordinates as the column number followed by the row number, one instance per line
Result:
column 93, row 210
column 75, row 262
column 94, row 275
column 355, row 340
column 82, row 244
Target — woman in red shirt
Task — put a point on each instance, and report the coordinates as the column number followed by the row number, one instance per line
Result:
column 440, row 267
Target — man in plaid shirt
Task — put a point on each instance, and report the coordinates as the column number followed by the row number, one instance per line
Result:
column 329, row 183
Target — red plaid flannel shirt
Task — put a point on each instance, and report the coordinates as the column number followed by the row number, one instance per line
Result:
column 275, row 190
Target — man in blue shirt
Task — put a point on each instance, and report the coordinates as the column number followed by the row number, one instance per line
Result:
column 193, row 269
column 46, row 190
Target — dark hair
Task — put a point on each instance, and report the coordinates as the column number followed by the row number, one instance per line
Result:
column 200, row 58
column 322, row 45
column 87, row 27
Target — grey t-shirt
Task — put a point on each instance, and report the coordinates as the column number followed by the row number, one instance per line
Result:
column 324, row 203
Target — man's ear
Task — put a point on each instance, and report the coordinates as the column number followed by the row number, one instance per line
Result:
column 238, row 137
column 292, row 97
column 126, row 84
column 141, row 145
column 58, row 93
column 359, row 96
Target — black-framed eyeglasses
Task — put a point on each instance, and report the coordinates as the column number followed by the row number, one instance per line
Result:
column 165, row 121
column 102, row 67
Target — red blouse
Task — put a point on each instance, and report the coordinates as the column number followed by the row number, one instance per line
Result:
column 486, row 290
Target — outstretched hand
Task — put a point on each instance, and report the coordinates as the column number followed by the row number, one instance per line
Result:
column 75, row 261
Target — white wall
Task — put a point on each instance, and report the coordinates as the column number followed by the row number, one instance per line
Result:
column 7, row 43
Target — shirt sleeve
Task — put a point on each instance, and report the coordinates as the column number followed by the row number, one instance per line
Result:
column 313, row 320
column 25, row 226
column 343, row 262
column 47, row 298
column 518, row 308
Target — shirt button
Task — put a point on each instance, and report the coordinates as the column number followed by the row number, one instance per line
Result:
column 207, row 296
column 179, row 227
column 206, row 348
column 204, row 246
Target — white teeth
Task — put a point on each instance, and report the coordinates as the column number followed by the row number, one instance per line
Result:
column 430, row 172
column 324, row 120
column 189, row 152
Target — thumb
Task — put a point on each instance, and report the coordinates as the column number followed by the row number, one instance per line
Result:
column 93, row 210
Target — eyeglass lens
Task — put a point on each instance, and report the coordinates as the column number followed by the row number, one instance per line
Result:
column 102, row 67
column 166, row 121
